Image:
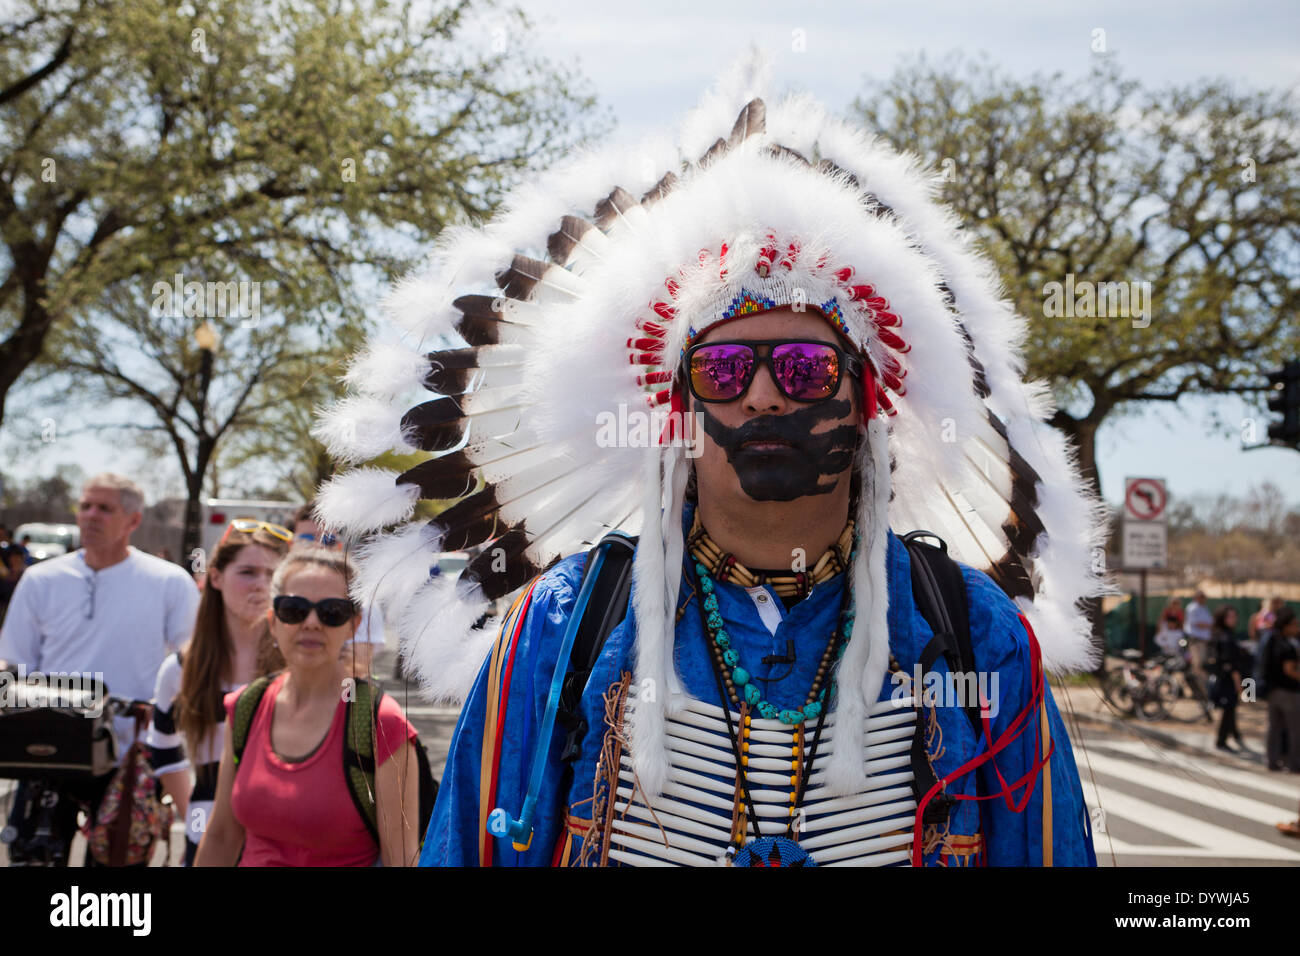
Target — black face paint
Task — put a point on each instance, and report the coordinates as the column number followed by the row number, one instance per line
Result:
column 794, row 465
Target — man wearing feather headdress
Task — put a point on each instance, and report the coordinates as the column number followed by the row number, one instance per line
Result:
column 792, row 683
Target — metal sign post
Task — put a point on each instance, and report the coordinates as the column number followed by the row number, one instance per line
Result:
column 1146, row 537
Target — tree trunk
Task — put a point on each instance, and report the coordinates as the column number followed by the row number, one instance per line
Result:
column 24, row 344
column 193, row 516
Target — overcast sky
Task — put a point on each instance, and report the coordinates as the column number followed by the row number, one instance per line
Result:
column 648, row 63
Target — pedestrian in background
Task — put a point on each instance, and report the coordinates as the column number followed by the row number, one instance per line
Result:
column 1169, row 630
column 358, row 653
column 1283, row 676
column 231, row 645
column 1199, row 623
column 1231, row 663
column 107, row 609
column 288, row 802
column 1262, row 620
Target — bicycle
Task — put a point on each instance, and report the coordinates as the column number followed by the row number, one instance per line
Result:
column 62, row 748
column 1130, row 687
column 1182, row 692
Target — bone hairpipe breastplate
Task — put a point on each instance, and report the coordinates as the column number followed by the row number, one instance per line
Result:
column 690, row 823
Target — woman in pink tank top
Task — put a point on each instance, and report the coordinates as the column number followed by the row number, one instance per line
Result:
column 290, row 804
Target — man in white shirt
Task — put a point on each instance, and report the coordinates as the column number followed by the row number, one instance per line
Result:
column 1198, row 625
column 107, row 609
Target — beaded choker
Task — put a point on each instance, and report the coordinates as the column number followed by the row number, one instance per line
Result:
column 724, row 567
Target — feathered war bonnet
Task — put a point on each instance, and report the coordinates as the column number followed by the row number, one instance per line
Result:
column 575, row 304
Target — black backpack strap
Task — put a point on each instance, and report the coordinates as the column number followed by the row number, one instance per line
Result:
column 606, row 609
column 940, row 594
column 245, row 710
column 359, row 749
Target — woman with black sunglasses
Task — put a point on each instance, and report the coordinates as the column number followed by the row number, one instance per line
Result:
column 290, row 803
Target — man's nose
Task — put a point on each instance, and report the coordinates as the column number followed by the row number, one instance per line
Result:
column 763, row 397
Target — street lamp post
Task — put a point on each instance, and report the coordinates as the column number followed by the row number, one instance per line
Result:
column 207, row 339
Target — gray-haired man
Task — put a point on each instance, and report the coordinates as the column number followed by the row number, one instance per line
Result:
column 108, row 609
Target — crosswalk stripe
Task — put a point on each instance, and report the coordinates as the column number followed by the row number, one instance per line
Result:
column 1210, row 840
column 1288, row 787
column 1188, row 789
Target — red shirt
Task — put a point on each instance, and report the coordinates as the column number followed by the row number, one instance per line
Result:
column 302, row 814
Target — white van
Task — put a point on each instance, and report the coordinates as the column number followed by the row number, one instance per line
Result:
column 48, row 540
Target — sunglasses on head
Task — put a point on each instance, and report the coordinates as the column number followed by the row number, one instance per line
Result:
column 331, row 612
column 803, row 371
column 249, row 525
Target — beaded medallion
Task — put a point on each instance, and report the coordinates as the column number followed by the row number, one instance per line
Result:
column 772, row 851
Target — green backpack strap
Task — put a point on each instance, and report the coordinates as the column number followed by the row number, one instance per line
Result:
column 359, row 750
column 245, row 710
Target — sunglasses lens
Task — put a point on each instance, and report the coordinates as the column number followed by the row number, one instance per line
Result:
column 334, row 611
column 290, row 609
column 806, row 371
column 720, row 373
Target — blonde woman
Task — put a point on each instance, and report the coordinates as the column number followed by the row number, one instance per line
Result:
column 230, row 646
column 289, row 804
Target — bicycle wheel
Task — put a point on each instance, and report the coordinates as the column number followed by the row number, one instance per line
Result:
column 1150, row 703
column 1115, row 688
column 1183, row 703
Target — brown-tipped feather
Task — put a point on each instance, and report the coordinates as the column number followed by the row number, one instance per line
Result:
column 518, row 281
column 470, row 522
column 449, row 476
column 660, row 189
column 977, row 367
column 435, row 425
column 613, row 206
column 451, row 370
column 449, row 373
column 559, row 246
column 503, row 566
column 881, row 209
column 1010, row 575
column 713, row 152
column 828, row 167
column 751, row 121
column 480, row 320
column 776, row 149
column 1023, row 526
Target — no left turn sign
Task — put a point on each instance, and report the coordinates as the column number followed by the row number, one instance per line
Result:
column 1145, row 499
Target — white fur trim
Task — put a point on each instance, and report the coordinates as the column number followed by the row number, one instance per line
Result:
column 655, row 636
column 861, row 671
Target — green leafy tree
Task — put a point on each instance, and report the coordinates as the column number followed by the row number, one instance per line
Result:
column 309, row 148
column 1193, row 191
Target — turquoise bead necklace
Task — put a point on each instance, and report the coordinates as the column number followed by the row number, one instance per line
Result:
column 739, row 682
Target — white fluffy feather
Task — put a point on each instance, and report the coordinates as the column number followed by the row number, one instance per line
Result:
column 365, row 500
column 358, row 429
